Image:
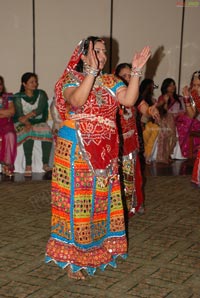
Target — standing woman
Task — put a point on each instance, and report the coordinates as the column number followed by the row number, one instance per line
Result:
column 167, row 134
column 31, row 105
column 88, row 229
column 132, row 182
column 192, row 106
column 189, row 121
column 8, row 144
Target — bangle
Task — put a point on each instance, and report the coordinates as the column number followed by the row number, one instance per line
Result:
column 136, row 72
column 186, row 99
column 89, row 70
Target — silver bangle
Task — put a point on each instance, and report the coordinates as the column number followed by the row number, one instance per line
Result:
column 136, row 72
column 89, row 70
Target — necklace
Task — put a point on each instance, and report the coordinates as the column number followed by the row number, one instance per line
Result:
column 98, row 90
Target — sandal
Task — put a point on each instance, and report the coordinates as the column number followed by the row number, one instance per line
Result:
column 148, row 161
column 46, row 168
column 28, row 171
column 75, row 275
column 4, row 169
column 9, row 173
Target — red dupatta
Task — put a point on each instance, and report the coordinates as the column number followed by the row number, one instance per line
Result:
column 196, row 99
column 96, row 119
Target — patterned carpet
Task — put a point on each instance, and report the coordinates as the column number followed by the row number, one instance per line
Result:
column 164, row 246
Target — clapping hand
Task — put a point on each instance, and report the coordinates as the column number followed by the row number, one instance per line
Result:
column 140, row 58
column 186, row 91
column 91, row 58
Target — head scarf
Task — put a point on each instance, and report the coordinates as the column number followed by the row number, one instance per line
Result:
column 75, row 58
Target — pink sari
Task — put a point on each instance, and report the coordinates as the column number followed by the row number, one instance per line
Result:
column 185, row 125
column 8, row 144
column 196, row 168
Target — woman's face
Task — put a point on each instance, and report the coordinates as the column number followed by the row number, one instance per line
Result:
column 125, row 74
column 171, row 88
column 31, row 84
column 196, row 84
column 100, row 51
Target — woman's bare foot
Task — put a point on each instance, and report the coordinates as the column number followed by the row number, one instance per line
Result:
column 75, row 275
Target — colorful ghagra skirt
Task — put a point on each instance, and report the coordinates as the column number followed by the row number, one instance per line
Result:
column 87, row 226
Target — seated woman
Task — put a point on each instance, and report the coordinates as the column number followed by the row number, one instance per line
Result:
column 31, row 105
column 167, row 139
column 189, row 121
column 8, row 143
column 192, row 104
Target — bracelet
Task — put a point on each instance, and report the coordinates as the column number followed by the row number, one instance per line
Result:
column 89, row 70
column 186, row 99
column 136, row 72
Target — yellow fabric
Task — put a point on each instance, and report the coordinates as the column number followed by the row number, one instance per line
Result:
column 150, row 134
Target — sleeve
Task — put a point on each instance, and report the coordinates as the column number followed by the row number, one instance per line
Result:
column 114, row 83
column 42, row 109
column 69, row 81
column 18, row 108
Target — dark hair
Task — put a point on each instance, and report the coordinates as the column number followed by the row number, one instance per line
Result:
column 164, row 87
column 145, row 84
column 195, row 74
column 145, row 92
column 119, row 68
column 25, row 77
column 3, row 83
column 94, row 39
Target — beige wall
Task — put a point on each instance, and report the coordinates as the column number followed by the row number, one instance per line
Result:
column 191, row 44
column 57, row 34
column 16, row 41
column 60, row 24
column 156, row 23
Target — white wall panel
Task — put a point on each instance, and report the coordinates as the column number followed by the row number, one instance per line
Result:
column 60, row 24
column 16, row 41
column 191, row 44
column 156, row 23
